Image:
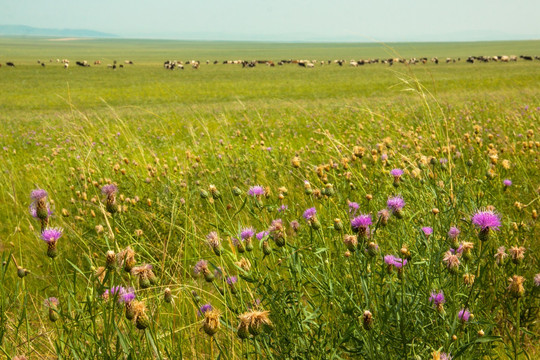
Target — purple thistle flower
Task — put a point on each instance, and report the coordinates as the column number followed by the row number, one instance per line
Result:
column 51, row 302
column 437, row 298
column 282, row 208
column 247, row 233
column 231, row 280
column 51, row 234
column 127, row 296
column 464, row 315
column 353, row 208
column 453, row 232
column 205, row 308
column 256, row 191
column 396, row 172
column 427, row 230
column 261, row 235
column 445, row 356
column 200, row 267
column 361, row 221
column 295, row 225
column 389, row 259
column 38, row 194
column 237, row 241
column 486, row 220
column 507, row 182
column 395, row 203
column 399, row 262
column 109, row 189
column 309, row 213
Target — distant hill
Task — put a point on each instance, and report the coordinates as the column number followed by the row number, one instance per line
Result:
column 23, row 30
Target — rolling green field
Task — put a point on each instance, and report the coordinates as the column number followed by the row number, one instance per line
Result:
column 230, row 150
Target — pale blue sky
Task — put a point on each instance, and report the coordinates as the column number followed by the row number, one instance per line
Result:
column 334, row 20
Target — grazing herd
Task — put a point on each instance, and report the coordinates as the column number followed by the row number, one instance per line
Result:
column 195, row 64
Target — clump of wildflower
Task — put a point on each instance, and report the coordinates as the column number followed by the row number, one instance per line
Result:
column 383, row 216
column 393, row 262
column 438, row 300
column 257, row 192
column 360, row 225
column 277, row 232
column 214, row 242
column 351, row 242
column 396, row 205
column 110, row 191
column 486, row 221
column 113, row 292
column 211, row 321
column 367, row 320
column 396, row 173
column 40, row 208
column 427, row 231
column 247, row 236
column 126, row 259
column 515, row 286
column 52, row 307
column 311, row 217
column 464, row 315
column 517, row 254
column 201, row 268
column 51, row 236
column 145, row 274
column 451, row 261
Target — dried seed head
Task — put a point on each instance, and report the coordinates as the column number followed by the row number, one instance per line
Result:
column 211, row 322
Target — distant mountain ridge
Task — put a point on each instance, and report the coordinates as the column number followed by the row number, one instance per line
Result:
column 23, row 30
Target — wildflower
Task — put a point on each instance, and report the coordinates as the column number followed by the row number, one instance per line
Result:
column 204, row 308
column 247, row 235
column 338, row 224
column 453, row 234
column 353, row 208
column 211, row 322
column 110, row 260
column 100, row 273
column 516, row 286
column 517, row 254
column 282, row 208
column 468, row 279
column 201, row 267
column 350, row 242
column 239, row 243
column 243, row 264
column 126, row 259
column 451, row 261
column 256, row 191
column 167, row 295
column 396, row 204
column 243, row 327
column 52, row 305
column 464, row 315
column 114, row 292
column 40, row 208
column 437, row 355
column 277, row 232
column 51, row 236
column 486, row 221
column 267, row 250
column 261, row 235
column 507, row 183
column 405, row 252
column 145, row 274
column 438, row 300
column 500, row 255
column 141, row 319
column 110, row 191
column 537, row 280
column 295, row 226
column 465, row 249
column 214, row 192
column 367, row 320
column 396, row 173
column 427, row 231
column 258, row 319
column 231, row 281
column 311, row 217
column 372, row 249
column 383, row 215
column 214, row 242
column 360, row 224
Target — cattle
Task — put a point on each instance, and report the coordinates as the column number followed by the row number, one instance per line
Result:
column 9, row 63
column 470, row 59
column 66, row 65
column 310, row 65
column 97, row 62
column 513, row 58
column 128, row 62
column 42, row 64
column 526, row 57
column 215, row 62
column 505, row 58
column 303, row 64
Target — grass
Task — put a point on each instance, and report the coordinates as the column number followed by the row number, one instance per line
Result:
column 184, row 148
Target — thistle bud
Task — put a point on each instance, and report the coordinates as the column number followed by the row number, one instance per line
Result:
column 110, row 261
column 52, row 306
column 22, row 272
column 515, row 286
column 144, row 282
column 351, row 242
column 130, row 311
column 367, row 320
column 372, row 249
column 204, row 194
column 243, row 327
column 329, row 190
column 236, row 191
column 167, row 295
column 338, row 225
column 267, row 250
column 142, row 321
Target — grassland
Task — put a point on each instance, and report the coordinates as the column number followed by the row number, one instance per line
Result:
column 184, row 148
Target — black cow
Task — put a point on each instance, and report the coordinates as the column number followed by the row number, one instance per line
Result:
column 10, row 64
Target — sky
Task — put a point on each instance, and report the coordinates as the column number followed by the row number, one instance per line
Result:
column 286, row 20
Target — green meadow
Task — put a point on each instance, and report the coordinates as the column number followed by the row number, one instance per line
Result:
column 230, row 213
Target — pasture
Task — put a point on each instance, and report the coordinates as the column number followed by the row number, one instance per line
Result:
column 252, row 201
